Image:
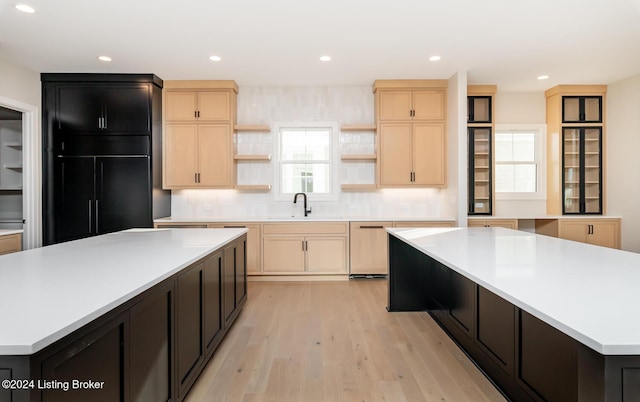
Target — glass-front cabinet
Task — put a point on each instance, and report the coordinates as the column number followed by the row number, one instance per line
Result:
column 582, row 109
column 582, row 170
column 479, row 109
column 480, row 171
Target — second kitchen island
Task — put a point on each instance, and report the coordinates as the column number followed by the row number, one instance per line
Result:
column 546, row 319
column 128, row 316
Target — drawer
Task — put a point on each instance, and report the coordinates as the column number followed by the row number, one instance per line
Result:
column 423, row 224
column 305, row 228
column 10, row 243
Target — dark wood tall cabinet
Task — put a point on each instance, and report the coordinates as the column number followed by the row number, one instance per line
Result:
column 102, row 162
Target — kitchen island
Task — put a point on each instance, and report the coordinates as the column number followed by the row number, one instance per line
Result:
column 544, row 318
column 132, row 315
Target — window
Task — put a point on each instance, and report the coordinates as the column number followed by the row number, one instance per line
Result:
column 519, row 163
column 306, row 161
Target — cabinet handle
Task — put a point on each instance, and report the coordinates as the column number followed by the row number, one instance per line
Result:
column 97, row 218
column 371, row 227
column 198, row 177
column 234, row 227
column 198, row 114
column 90, row 218
column 303, row 245
column 195, row 114
column 99, row 122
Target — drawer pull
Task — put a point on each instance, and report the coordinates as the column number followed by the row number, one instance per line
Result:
column 234, row 227
column 371, row 227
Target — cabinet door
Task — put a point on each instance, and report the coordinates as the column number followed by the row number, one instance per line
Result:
column 74, row 206
column 214, row 155
column 241, row 270
column 180, row 106
column 326, row 254
column 127, row 109
column 573, row 230
column 214, row 106
column 396, row 149
column 79, row 109
column 429, row 154
column 283, row 254
column 151, row 340
column 369, row 249
column 212, row 301
column 605, row 234
column 394, row 105
column 123, row 193
column 254, row 244
column 10, row 243
column 229, row 282
column 428, row 105
column 180, row 160
column 78, row 361
column 189, row 320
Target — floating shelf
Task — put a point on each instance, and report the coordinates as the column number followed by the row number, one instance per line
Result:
column 359, row 157
column 256, row 128
column 253, row 187
column 358, row 187
column 358, row 127
column 13, row 144
column 17, row 166
column 265, row 157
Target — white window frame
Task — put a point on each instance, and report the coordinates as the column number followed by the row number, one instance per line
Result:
column 540, row 131
column 333, row 159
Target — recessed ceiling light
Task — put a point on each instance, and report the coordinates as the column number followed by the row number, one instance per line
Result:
column 543, row 77
column 325, row 58
column 25, row 8
column 104, row 58
column 215, row 58
column 434, row 58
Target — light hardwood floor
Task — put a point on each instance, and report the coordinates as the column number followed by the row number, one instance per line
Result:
column 335, row 341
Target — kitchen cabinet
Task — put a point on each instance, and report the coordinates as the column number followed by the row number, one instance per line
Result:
column 582, row 170
column 368, row 248
column 411, row 128
column 90, row 109
column 10, row 243
column 480, row 130
column 602, row 232
column 102, row 153
column 198, row 106
column 426, row 104
column 199, row 119
column 576, row 138
column 412, row 154
column 487, row 223
column 305, row 248
column 198, row 156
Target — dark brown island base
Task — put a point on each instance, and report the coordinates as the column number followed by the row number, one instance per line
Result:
column 525, row 357
column 153, row 346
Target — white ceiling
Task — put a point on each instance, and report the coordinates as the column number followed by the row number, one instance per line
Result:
column 279, row 42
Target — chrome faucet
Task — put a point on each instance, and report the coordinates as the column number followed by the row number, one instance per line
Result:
column 304, row 196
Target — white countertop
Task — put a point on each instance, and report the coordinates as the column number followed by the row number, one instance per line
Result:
column 590, row 293
column 310, row 218
column 49, row 292
column 7, row 232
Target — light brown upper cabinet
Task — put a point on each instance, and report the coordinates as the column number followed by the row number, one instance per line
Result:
column 411, row 105
column 411, row 126
column 199, row 117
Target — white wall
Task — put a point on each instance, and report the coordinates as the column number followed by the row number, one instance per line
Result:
column 520, row 108
column 19, row 83
column 622, row 168
column 345, row 105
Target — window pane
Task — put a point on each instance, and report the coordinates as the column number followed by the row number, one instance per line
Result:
column 305, row 177
column 305, row 145
column 504, row 178
column 524, row 147
column 504, row 147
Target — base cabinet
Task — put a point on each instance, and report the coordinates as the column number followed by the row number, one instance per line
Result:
column 151, row 348
column 488, row 223
column 369, row 252
column 305, row 248
column 10, row 243
column 601, row 232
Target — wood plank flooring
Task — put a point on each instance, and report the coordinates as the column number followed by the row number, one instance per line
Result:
column 335, row 341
